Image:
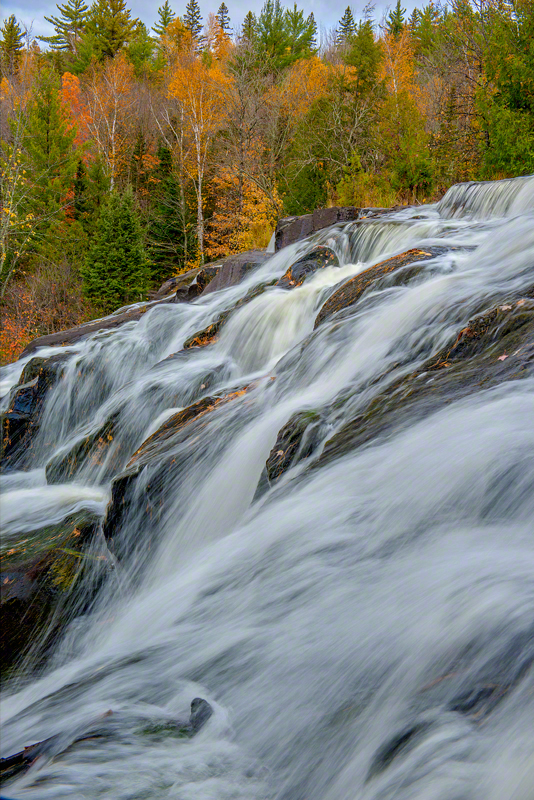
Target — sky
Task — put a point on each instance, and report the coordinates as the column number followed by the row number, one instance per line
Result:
column 327, row 14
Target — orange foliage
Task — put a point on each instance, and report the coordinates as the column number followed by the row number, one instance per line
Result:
column 305, row 83
column 71, row 97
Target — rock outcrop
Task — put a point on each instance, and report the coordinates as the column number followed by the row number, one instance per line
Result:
column 21, row 422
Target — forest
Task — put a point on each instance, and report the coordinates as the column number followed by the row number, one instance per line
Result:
column 129, row 155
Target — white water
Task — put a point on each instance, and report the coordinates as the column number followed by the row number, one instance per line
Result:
column 346, row 605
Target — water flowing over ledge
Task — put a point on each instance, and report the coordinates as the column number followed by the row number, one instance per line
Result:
column 320, row 504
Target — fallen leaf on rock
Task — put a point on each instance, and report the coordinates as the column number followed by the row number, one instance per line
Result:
column 501, row 358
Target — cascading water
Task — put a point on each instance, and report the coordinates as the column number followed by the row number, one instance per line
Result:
column 364, row 627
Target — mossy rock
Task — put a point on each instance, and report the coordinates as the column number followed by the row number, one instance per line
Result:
column 38, row 571
column 351, row 290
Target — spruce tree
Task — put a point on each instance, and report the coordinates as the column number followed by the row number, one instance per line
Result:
column 48, row 146
column 69, row 26
column 248, row 29
column 312, row 25
column 223, row 19
column 116, row 270
column 165, row 17
column 193, row 20
column 11, row 45
column 110, row 27
column 347, row 27
column 395, row 20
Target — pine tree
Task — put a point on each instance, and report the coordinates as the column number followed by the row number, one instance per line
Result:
column 69, row 26
column 165, row 17
column 300, row 33
column 11, row 45
column 248, row 29
column 365, row 54
column 193, row 20
column 110, row 26
column 48, row 145
column 80, row 204
column 347, row 27
column 395, row 20
column 116, row 269
column 223, row 19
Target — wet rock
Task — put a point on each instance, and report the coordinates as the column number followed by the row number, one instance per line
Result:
column 37, row 572
column 296, row 441
column 201, row 711
column 351, row 291
column 22, row 419
column 72, row 335
column 94, row 446
column 159, row 454
column 177, row 282
column 293, row 229
column 398, row 746
column 496, row 346
column 210, row 334
column 319, row 258
column 235, row 268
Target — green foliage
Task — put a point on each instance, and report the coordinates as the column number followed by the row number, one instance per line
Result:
column 395, row 20
column 364, row 53
column 69, row 26
column 48, row 146
column 361, row 189
column 11, row 45
column 282, row 37
column 193, row 19
column 116, row 269
column 248, row 29
column 165, row 17
column 305, row 189
column 223, row 19
column 141, row 50
column 109, row 28
column 346, row 28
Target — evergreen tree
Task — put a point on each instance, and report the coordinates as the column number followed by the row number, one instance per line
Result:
column 141, row 49
column 365, row 54
column 248, row 29
column 193, row 20
column 165, row 17
column 395, row 20
column 110, row 27
column 171, row 231
column 223, row 19
column 116, row 269
column 313, row 31
column 271, row 35
column 347, row 27
column 11, row 45
column 80, row 203
column 48, row 146
column 300, row 33
column 69, row 26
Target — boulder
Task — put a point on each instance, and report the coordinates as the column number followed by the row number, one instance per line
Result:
column 235, row 268
column 319, row 258
column 351, row 290
column 22, row 419
column 296, row 441
column 37, row 572
column 175, row 283
column 293, row 229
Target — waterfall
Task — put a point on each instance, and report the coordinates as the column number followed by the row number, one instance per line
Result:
column 362, row 625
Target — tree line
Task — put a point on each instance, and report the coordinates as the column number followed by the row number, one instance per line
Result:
column 129, row 155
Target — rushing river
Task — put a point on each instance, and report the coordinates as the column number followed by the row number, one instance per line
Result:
column 349, row 624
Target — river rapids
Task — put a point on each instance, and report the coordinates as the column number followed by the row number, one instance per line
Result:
column 363, row 627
